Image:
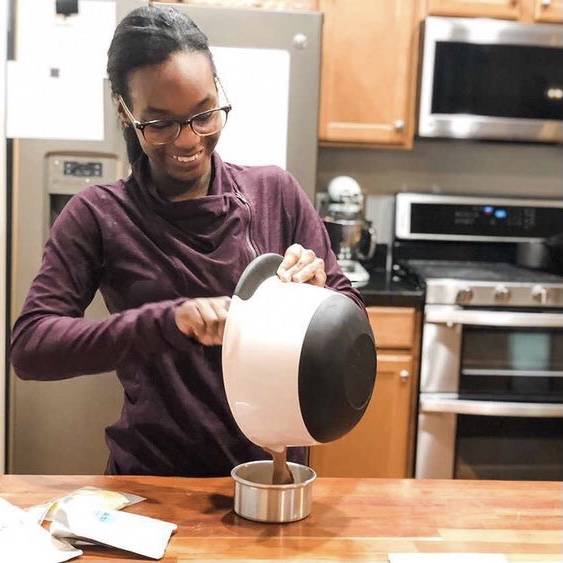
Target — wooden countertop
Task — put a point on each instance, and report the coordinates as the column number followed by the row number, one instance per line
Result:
column 352, row 519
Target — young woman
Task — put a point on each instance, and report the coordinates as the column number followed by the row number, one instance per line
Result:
column 166, row 247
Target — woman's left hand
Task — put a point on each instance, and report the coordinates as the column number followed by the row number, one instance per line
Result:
column 302, row 265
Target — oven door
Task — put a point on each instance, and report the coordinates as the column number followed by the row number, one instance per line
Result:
column 491, row 398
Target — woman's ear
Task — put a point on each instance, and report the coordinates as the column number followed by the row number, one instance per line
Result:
column 121, row 115
column 123, row 121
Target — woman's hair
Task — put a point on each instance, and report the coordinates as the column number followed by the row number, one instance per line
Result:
column 148, row 36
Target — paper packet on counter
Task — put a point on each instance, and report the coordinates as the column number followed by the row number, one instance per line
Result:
column 124, row 530
column 92, row 497
column 23, row 540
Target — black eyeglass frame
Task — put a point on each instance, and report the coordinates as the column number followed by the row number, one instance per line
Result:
column 140, row 125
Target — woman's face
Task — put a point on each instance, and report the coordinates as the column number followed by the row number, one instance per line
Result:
column 178, row 88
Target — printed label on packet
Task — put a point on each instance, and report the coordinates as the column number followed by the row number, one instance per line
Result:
column 124, row 530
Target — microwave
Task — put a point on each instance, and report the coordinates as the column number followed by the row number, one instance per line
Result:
column 491, row 79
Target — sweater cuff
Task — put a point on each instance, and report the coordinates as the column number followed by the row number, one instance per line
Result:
column 170, row 331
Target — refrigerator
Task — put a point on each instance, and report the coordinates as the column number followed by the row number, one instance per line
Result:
column 3, row 231
column 57, row 427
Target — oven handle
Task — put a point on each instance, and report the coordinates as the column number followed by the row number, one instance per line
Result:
column 477, row 317
column 489, row 408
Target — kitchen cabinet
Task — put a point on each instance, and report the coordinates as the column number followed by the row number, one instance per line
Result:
column 505, row 9
column 550, row 11
column 368, row 77
column 382, row 444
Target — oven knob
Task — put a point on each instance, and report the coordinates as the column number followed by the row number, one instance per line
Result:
column 502, row 294
column 464, row 295
column 539, row 294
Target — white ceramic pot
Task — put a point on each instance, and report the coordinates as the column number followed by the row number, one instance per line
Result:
column 299, row 361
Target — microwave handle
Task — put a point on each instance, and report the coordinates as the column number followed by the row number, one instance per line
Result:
column 490, row 408
column 477, row 317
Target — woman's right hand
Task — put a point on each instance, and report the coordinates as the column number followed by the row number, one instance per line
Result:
column 203, row 319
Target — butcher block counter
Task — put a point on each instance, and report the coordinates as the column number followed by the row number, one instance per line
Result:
column 351, row 519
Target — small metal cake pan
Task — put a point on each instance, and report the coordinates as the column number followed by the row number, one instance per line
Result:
column 256, row 498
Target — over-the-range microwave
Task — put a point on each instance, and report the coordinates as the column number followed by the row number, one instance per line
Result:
column 491, row 79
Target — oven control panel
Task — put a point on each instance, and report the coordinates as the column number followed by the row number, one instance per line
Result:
column 466, row 218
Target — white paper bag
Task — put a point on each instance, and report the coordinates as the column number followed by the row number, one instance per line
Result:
column 131, row 532
column 22, row 540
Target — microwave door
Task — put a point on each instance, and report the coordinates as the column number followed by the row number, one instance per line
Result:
column 495, row 80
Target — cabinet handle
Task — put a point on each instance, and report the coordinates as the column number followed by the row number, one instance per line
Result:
column 398, row 125
column 404, row 375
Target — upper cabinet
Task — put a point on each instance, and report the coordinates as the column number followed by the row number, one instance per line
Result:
column 522, row 10
column 506, row 9
column 548, row 11
column 368, row 84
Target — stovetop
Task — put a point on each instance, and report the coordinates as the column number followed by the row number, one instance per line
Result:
column 479, row 271
column 486, row 284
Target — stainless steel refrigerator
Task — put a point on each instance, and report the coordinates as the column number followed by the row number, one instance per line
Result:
column 58, row 426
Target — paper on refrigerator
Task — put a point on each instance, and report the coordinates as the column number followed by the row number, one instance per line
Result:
column 56, row 91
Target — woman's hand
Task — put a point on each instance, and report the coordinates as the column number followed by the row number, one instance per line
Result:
column 203, row 319
column 303, row 266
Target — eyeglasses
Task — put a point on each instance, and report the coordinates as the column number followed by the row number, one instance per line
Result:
column 164, row 131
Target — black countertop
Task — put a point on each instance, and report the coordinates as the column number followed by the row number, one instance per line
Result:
column 386, row 290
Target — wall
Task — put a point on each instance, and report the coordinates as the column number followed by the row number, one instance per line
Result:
column 453, row 166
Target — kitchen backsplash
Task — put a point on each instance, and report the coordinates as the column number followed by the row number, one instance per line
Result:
column 450, row 166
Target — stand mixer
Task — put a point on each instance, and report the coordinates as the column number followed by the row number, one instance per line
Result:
column 349, row 232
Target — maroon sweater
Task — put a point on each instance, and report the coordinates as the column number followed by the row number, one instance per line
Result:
column 146, row 255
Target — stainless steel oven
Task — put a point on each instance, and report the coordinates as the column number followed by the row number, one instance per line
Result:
column 491, row 381
column 491, row 401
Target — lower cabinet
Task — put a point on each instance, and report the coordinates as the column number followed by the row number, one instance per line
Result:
column 382, row 444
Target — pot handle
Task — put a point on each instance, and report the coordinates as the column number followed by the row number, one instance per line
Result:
column 259, row 270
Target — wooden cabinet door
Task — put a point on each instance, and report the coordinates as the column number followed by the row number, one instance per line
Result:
column 548, row 11
column 381, row 444
column 393, row 327
column 368, row 71
column 505, row 9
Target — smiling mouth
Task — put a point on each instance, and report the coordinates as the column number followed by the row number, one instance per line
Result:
column 185, row 159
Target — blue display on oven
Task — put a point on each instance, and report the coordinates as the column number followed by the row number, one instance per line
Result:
column 501, row 213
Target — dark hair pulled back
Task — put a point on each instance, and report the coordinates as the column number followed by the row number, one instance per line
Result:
column 148, row 36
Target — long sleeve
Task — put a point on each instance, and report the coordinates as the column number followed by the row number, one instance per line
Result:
column 52, row 340
column 310, row 232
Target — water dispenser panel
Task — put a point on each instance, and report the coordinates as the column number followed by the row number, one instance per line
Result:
column 71, row 173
